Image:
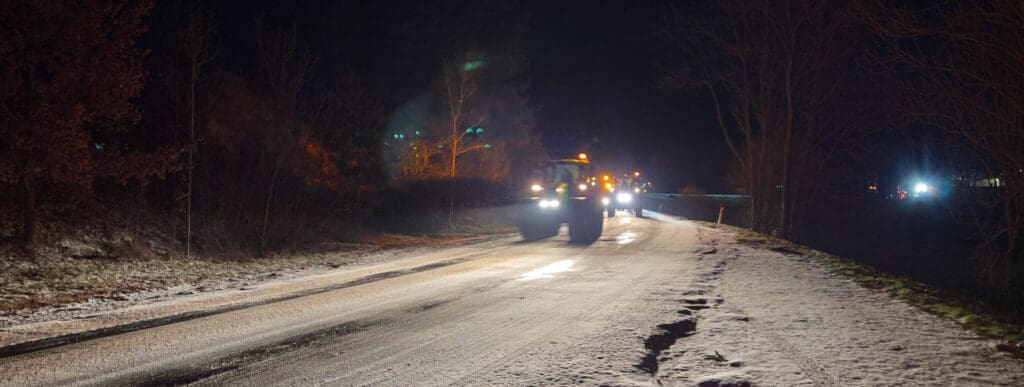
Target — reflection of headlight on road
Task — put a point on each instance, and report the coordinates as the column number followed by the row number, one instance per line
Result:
column 536, row 187
column 544, row 203
column 606, row 201
column 624, row 198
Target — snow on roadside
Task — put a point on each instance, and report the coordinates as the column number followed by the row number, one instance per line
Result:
column 768, row 318
column 72, row 289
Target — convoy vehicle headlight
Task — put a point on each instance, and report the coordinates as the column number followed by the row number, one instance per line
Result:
column 536, row 188
column 552, row 203
column 606, row 201
column 624, row 197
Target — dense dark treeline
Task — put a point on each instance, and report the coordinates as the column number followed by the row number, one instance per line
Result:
column 256, row 134
column 818, row 98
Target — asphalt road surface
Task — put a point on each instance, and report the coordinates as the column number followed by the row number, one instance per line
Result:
column 618, row 312
column 517, row 313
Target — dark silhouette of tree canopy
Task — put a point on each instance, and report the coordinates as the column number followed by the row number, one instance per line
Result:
column 789, row 93
column 969, row 57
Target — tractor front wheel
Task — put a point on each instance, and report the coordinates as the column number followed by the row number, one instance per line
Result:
column 585, row 227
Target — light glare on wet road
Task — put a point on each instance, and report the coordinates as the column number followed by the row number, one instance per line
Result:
column 548, row 271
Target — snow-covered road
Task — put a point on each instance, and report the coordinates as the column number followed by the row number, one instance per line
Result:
column 655, row 301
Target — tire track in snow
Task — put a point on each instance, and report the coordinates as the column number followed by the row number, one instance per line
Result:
column 812, row 369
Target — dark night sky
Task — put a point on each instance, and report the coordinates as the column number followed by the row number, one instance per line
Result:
column 594, row 70
column 593, row 75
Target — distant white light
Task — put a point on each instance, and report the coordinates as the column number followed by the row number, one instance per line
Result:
column 921, row 188
column 536, row 187
column 583, row 187
column 624, row 198
column 606, row 201
column 544, row 203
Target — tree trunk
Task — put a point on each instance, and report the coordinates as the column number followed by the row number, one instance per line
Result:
column 28, row 207
column 191, row 159
column 787, row 145
column 455, row 152
column 266, row 209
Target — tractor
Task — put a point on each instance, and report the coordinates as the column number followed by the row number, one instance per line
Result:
column 563, row 191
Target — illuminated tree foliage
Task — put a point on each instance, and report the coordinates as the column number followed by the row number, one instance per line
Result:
column 490, row 134
column 276, row 137
column 66, row 93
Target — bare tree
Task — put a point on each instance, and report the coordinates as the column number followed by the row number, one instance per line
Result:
column 196, row 41
column 287, row 69
column 969, row 57
column 461, row 82
column 777, row 74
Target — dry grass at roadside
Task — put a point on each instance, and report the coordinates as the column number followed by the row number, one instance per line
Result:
column 59, row 280
column 963, row 310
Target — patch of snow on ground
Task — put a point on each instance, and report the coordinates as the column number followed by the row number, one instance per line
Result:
column 777, row 319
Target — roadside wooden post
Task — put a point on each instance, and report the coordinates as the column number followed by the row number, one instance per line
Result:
column 721, row 210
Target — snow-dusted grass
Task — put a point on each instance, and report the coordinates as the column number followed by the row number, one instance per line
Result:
column 55, row 281
column 967, row 312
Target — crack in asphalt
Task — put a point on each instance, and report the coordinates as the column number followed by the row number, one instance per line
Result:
column 72, row 338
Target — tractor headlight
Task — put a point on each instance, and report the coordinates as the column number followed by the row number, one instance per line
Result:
column 552, row 203
column 624, row 198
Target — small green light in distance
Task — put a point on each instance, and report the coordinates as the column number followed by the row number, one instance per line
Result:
column 472, row 65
